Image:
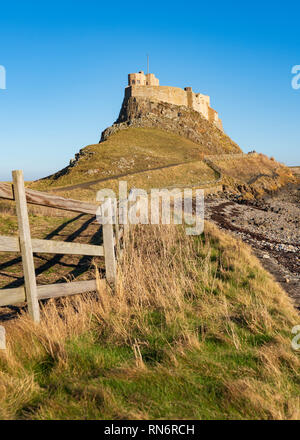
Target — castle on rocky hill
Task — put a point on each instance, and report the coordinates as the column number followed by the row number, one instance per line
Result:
column 147, row 86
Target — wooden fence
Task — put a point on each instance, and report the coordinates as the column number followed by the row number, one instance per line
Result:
column 31, row 293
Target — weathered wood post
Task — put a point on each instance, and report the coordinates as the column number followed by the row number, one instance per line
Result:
column 26, row 246
column 123, row 216
column 117, row 229
column 108, row 243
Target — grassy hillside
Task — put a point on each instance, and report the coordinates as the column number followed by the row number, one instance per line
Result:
column 153, row 158
column 182, row 120
column 250, row 175
column 250, row 167
column 189, row 174
column 254, row 175
column 127, row 151
column 195, row 329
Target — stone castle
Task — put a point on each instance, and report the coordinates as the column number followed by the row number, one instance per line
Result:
column 147, row 86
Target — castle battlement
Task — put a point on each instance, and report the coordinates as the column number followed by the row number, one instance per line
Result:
column 142, row 79
column 147, row 86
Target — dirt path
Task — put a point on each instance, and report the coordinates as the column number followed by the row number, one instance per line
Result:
column 118, row 176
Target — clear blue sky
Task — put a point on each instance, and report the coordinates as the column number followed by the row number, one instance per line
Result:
column 67, row 64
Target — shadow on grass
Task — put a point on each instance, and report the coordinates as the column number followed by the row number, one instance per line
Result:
column 78, row 269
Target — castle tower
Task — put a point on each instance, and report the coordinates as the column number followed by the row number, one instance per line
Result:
column 140, row 79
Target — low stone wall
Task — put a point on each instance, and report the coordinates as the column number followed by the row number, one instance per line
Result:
column 231, row 156
column 209, row 160
column 211, row 189
column 213, row 166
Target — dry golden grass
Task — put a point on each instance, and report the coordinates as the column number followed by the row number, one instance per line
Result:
column 8, row 207
column 295, row 171
column 254, row 175
column 50, row 268
column 194, row 329
column 190, row 175
column 253, row 167
column 128, row 151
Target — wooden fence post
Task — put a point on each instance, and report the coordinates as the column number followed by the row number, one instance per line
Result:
column 109, row 246
column 123, row 215
column 117, row 229
column 26, row 246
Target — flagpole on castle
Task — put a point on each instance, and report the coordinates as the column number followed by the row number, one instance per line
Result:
column 147, row 63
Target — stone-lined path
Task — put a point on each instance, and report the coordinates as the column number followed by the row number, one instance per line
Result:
column 270, row 227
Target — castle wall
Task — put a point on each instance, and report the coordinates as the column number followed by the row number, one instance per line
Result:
column 171, row 95
column 200, row 103
column 151, row 80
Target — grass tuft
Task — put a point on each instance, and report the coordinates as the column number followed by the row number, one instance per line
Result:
column 195, row 329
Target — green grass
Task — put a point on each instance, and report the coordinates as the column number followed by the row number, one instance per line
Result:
column 193, row 174
column 128, row 151
column 9, row 224
column 135, row 153
column 49, row 268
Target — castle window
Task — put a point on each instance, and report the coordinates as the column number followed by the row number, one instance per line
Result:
column 133, row 81
column 138, row 81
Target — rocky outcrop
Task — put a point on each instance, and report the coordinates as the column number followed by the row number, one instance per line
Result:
column 141, row 112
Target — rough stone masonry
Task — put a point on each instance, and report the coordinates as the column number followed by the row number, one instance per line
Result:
column 147, row 86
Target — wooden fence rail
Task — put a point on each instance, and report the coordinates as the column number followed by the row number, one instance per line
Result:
column 52, row 201
column 12, row 244
column 31, row 292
